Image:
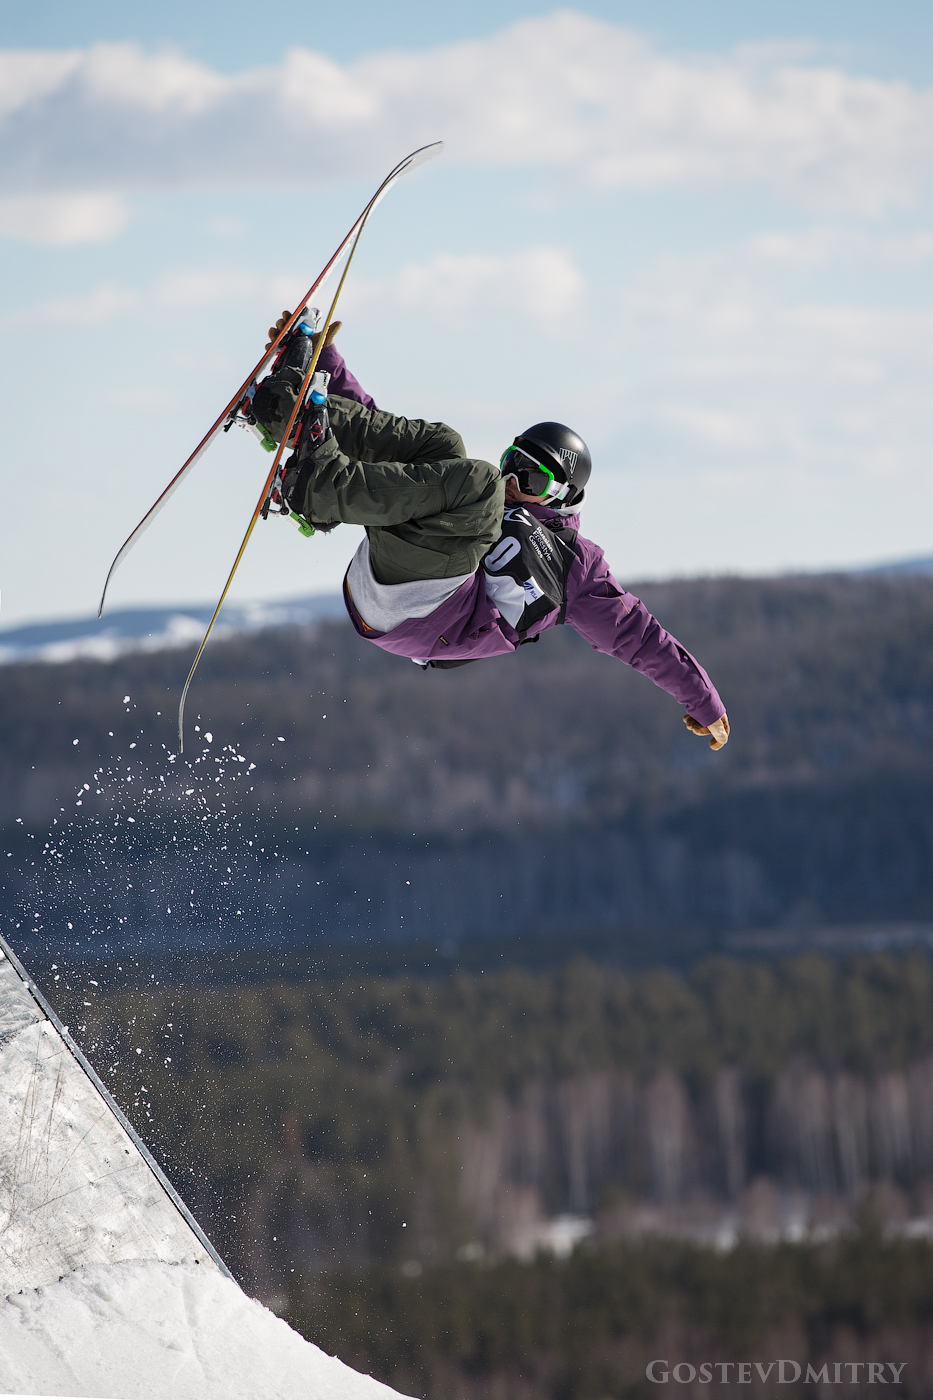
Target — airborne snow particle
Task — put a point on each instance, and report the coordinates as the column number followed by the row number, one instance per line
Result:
column 73, row 742
column 126, row 699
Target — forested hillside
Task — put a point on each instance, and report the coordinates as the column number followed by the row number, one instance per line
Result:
column 349, row 1121
column 826, row 679
column 589, row 1327
column 550, row 794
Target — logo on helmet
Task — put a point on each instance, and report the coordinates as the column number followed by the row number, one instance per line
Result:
column 568, row 459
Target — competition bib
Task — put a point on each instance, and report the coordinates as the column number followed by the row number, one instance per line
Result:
column 526, row 569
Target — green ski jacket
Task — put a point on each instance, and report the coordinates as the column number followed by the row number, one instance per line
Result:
column 429, row 510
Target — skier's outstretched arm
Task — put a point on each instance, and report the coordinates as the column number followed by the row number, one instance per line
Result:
column 619, row 624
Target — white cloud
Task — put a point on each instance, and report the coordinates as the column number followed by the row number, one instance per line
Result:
column 817, row 247
column 63, row 218
column 538, row 284
column 29, row 77
column 730, row 374
column 565, row 92
column 173, row 294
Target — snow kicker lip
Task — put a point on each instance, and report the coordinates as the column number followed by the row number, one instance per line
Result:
column 83, row 1187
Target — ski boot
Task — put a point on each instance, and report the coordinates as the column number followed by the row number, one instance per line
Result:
column 274, row 399
column 315, row 430
column 315, row 424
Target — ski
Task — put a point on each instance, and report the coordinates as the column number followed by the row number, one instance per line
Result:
column 227, row 417
column 418, row 157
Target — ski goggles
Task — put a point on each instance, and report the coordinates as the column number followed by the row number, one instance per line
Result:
column 532, row 478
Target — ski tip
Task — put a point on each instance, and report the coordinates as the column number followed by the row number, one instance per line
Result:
column 423, row 153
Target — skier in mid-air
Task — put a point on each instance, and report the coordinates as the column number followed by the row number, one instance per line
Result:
column 461, row 560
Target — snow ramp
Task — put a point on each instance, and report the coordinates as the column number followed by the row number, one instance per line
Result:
column 77, row 1186
column 110, row 1287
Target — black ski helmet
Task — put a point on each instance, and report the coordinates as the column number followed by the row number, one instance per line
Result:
column 564, row 451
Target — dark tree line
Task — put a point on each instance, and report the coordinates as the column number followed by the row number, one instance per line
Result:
column 588, row 1328
column 358, row 1119
column 550, row 794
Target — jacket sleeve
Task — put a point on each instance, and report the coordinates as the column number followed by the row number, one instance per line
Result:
column 342, row 382
column 376, row 436
column 379, row 470
column 619, row 624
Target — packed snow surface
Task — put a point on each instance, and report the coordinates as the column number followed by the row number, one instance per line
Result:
column 74, row 1188
column 144, row 1330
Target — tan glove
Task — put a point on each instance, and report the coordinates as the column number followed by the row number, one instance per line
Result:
column 332, row 330
column 718, row 730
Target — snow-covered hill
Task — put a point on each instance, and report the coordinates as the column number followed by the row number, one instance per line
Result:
column 144, row 1330
column 154, row 629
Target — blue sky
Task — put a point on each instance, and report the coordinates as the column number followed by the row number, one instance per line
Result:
column 701, row 234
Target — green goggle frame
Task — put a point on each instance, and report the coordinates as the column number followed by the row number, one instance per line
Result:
column 534, row 479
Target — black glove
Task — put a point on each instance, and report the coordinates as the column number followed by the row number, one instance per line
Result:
column 332, row 330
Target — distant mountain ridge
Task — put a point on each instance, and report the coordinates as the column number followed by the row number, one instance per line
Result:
column 160, row 629
column 154, row 629
column 921, row 565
